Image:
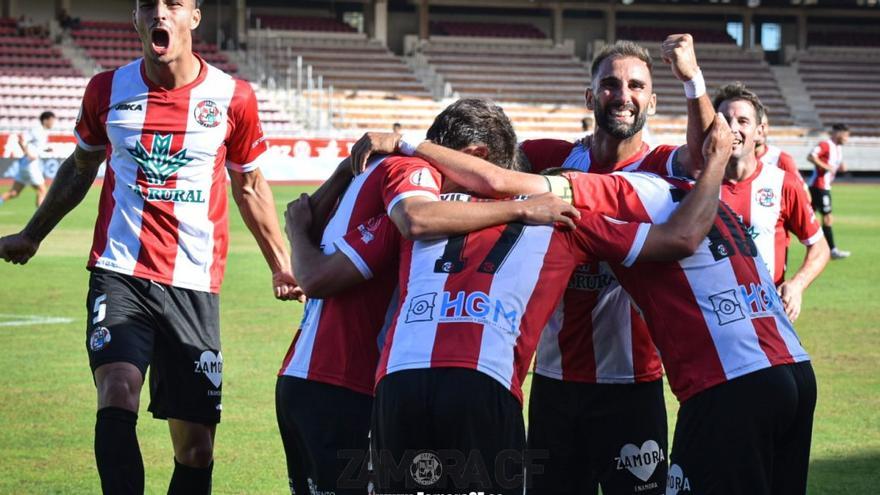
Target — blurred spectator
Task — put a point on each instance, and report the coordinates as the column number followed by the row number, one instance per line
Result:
column 66, row 21
column 397, row 128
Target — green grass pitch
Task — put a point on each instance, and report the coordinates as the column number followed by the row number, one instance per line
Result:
column 47, row 399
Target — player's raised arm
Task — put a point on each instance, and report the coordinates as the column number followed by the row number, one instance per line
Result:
column 257, row 206
column 815, row 158
column 682, row 234
column 72, row 182
column 678, row 51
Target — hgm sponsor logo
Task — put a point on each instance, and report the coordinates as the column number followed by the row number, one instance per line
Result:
column 752, row 301
column 463, row 307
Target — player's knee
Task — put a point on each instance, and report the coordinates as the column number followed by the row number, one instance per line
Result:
column 13, row 194
column 198, row 455
column 119, row 388
column 827, row 220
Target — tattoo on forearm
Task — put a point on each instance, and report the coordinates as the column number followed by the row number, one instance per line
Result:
column 68, row 189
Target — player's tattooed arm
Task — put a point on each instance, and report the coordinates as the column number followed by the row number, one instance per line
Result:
column 324, row 199
column 687, row 227
column 257, row 206
column 72, row 182
column 421, row 218
column 319, row 275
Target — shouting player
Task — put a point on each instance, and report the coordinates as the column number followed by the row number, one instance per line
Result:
column 324, row 392
column 170, row 127
column 770, row 201
column 30, row 170
column 827, row 158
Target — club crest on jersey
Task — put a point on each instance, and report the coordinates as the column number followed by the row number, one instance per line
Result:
column 765, row 197
column 158, row 165
column 207, row 113
column 423, row 178
column 99, row 338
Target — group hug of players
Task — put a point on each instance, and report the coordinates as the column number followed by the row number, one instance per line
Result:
column 428, row 303
column 438, row 271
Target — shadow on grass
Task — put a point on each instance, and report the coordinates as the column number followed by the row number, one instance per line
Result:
column 857, row 474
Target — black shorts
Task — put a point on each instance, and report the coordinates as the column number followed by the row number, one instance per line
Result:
column 613, row 435
column 174, row 330
column 821, row 200
column 748, row 436
column 325, row 431
column 449, row 430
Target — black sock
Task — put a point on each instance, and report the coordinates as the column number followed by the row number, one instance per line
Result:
column 829, row 235
column 117, row 452
column 189, row 480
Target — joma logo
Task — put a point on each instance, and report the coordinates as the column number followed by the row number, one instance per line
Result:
column 129, row 106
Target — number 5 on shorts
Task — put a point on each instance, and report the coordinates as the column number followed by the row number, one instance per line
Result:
column 99, row 309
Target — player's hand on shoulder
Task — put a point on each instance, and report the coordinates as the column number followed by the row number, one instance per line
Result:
column 547, row 209
column 677, row 50
column 372, row 143
column 18, row 248
column 718, row 144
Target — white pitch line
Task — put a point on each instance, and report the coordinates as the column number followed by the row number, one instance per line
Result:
column 23, row 320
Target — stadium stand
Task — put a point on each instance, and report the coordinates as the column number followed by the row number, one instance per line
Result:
column 22, row 98
column 486, row 30
column 348, row 61
column 113, row 44
column 658, row 34
column 30, row 55
column 842, row 83
column 302, row 23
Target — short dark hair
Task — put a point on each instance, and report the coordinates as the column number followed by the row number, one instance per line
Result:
column 622, row 49
column 839, row 127
column 474, row 121
column 46, row 116
column 738, row 91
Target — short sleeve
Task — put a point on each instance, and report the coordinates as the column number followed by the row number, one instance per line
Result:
column 406, row 177
column 607, row 239
column 822, row 151
column 799, row 216
column 544, row 154
column 246, row 141
column 786, row 162
column 90, row 130
column 660, row 160
column 628, row 196
column 372, row 246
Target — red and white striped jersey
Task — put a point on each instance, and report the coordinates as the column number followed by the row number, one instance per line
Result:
column 772, row 203
column 830, row 153
column 479, row 301
column 773, row 156
column 714, row 315
column 340, row 337
column 163, row 208
column 596, row 335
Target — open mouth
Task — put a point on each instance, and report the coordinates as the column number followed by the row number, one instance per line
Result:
column 161, row 39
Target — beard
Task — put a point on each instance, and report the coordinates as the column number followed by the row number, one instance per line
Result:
column 620, row 130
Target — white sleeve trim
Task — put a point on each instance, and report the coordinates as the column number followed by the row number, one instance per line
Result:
column 243, row 167
column 813, row 239
column 86, row 146
column 637, row 245
column 410, row 194
column 353, row 256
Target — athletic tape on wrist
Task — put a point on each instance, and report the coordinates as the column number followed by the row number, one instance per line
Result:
column 407, row 145
column 696, row 87
column 561, row 187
